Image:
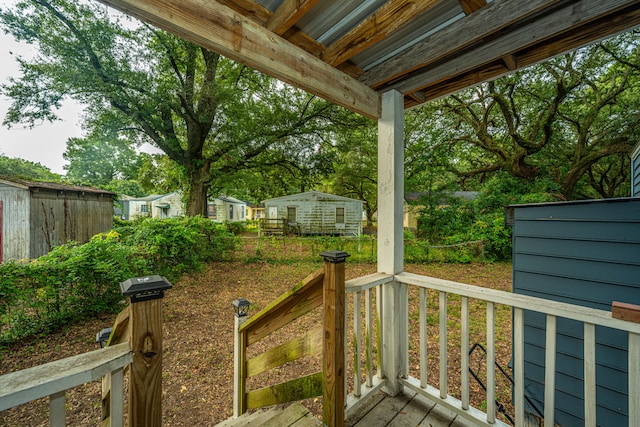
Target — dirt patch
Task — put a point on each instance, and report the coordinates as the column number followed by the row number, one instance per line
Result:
column 198, row 339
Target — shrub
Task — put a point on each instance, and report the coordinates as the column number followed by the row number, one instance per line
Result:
column 70, row 283
column 179, row 245
column 75, row 281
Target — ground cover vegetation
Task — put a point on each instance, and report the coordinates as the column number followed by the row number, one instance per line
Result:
column 198, row 336
column 75, row 282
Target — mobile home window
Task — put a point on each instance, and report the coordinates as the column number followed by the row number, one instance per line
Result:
column 339, row 215
column 211, row 212
column 231, row 212
column 291, row 214
column 144, row 208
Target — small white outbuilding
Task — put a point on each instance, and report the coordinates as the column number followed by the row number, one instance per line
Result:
column 313, row 212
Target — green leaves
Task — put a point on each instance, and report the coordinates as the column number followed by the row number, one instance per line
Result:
column 74, row 281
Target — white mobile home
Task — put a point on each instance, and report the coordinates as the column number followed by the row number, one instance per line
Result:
column 167, row 206
column 226, row 209
column 314, row 212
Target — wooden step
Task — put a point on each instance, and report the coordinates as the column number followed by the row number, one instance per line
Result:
column 294, row 415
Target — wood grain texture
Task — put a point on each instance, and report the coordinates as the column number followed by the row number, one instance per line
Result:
column 301, row 299
column 40, row 381
column 388, row 18
column 288, row 13
column 563, row 23
column 145, row 382
column 470, row 6
column 334, row 366
column 220, row 29
column 120, row 331
column 625, row 311
column 306, row 345
column 454, row 38
column 297, row 389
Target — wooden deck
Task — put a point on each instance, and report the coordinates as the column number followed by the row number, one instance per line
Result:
column 406, row 409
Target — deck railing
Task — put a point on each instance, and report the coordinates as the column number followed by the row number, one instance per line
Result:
column 519, row 303
column 54, row 378
column 134, row 343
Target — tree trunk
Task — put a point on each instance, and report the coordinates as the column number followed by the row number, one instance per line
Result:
column 196, row 200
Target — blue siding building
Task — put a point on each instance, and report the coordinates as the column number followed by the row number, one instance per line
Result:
column 585, row 253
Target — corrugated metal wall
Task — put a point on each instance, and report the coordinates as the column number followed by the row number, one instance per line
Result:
column 15, row 222
column 585, row 253
column 57, row 217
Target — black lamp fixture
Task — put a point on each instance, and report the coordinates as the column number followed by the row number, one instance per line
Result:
column 144, row 288
column 103, row 336
column 241, row 307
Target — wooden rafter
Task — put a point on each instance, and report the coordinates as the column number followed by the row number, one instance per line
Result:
column 451, row 40
column 587, row 33
column 289, row 12
column 217, row 27
column 387, row 19
column 470, row 6
column 537, row 31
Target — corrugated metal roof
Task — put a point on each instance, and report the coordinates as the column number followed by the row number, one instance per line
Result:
column 423, row 49
column 311, row 194
column 34, row 185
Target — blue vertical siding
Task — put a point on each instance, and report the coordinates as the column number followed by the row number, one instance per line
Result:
column 585, row 253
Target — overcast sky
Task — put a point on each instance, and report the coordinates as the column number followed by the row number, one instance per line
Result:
column 46, row 142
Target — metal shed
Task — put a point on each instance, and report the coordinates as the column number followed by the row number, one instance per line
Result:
column 36, row 216
column 314, row 212
column 585, row 253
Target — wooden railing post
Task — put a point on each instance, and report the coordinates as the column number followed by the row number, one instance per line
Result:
column 333, row 394
column 241, row 306
column 145, row 323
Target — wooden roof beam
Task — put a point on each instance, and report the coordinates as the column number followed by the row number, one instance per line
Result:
column 220, row 29
column 384, row 21
column 588, row 33
column 470, row 6
column 565, row 20
column 288, row 13
column 469, row 31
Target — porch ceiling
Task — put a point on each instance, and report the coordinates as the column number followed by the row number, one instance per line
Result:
column 350, row 51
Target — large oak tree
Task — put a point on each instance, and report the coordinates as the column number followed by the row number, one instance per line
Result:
column 211, row 116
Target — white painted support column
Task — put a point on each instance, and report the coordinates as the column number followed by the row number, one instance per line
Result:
column 391, row 238
column 391, row 184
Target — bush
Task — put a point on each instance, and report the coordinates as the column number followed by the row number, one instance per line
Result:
column 73, row 281
column 175, row 246
column 70, row 283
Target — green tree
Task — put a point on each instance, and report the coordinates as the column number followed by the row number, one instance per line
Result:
column 355, row 169
column 209, row 115
column 99, row 160
column 21, row 168
column 570, row 120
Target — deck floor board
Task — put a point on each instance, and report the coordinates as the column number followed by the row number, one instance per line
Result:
column 406, row 409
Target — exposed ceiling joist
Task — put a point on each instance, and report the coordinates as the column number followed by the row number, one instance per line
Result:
column 389, row 18
column 219, row 28
column 588, row 33
column 566, row 19
column 451, row 40
column 289, row 12
column 470, row 6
